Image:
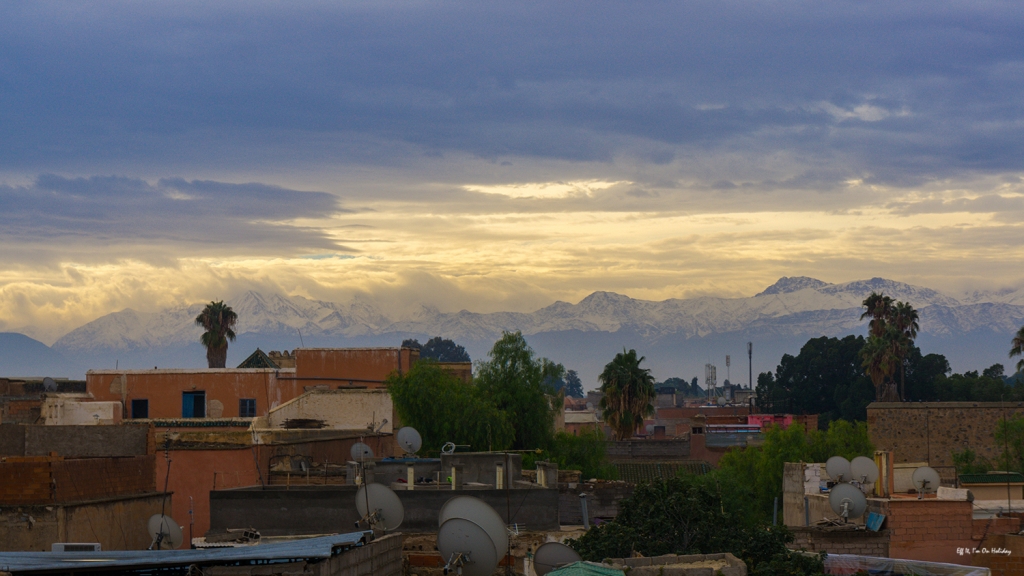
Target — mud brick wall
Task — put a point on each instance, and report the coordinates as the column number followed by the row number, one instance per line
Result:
column 42, row 480
column 25, row 481
column 931, row 431
column 76, row 441
column 929, row 529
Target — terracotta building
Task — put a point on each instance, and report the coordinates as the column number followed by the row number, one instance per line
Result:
column 244, row 392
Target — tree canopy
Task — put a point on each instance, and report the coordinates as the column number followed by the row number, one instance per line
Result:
column 443, row 408
column 513, row 379
column 440, row 349
column 761, row 467
column 628, row 393
column 218, row 320
column 573, row 385
column 827, row 378
column 695, row 515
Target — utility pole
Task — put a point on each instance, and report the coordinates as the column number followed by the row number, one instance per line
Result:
column 750, row 358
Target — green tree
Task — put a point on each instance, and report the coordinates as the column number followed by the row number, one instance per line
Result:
column 585, row 452
column 891, row 334
column 880, row 358
column 761, row 467
column 573, row 385
column 1017, row 348
column 218, row 320
column 437, row 348
column 628, row 394
column 695, row 515
column 513, row 380
column 443, row 408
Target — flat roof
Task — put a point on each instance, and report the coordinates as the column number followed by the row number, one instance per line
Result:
column 67, row 562
column 105, row 371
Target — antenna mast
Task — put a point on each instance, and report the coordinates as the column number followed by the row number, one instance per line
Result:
column 750, row 358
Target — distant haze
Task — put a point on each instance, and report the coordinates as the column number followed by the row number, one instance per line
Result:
column 677, row 336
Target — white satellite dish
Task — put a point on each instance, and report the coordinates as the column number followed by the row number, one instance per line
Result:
column 379, row 507
column 478, row 512
column 409, row 439
column 466, row 548
column 165, row 532
column 926, row 480
column 361, row 452
column 838, row 469
column 863, row 470
column 847, row 501
column 553, row 555
column 49, row 384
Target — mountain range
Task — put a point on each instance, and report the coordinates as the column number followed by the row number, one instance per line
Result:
column 678, row 336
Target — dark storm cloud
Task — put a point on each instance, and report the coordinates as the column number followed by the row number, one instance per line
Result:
column 86, row 212
column 894, row 92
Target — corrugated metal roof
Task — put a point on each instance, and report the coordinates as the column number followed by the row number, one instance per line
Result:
column 129, row 560
column 586, row 569
column 991, row 478
column 640, row 472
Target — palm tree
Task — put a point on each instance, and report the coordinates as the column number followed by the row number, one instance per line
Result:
column 217, row 319
column 628, row 394
column 880, row 356
column 879, row 308
column 905, row 319
column 1017, row 348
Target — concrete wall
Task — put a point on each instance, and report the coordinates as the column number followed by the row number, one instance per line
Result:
column 338, row 409
column 482, row 466
column 356, row 366
column 116, row 524
column 327, row 509
column 223, row 387
column 931, row 431
column 59, row 411
column 76, row 441
column 861, row 542
column 603, row 499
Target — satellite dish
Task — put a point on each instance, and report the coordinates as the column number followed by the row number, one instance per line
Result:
column 361, row 452
column 467, row 548
column 385, row 510
column 49, row 384
column 925, row 480
column 864, row 470
column 409, row 439
column 847, row 501
column 165, row 532
column 720, row 401
column 478, row 512
column 553, row 555
column 838, row 469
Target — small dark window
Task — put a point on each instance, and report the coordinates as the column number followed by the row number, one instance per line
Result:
column 247, row 408
column 698, row 429
column 140, row 408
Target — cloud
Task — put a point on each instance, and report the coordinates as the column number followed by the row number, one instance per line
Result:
column 114, row 217
column 139, row 89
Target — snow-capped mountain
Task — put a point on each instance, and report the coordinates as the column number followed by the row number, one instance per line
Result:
column 690, row 331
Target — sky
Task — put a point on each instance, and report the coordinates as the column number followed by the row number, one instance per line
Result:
column 500, row 156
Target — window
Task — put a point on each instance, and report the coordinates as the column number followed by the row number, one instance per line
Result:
column 193, row 404
column 140, row 408
column 247, row 408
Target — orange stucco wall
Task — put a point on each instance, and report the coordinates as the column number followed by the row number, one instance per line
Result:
column 192, row 475
column 359, row 366
column 164, row 388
